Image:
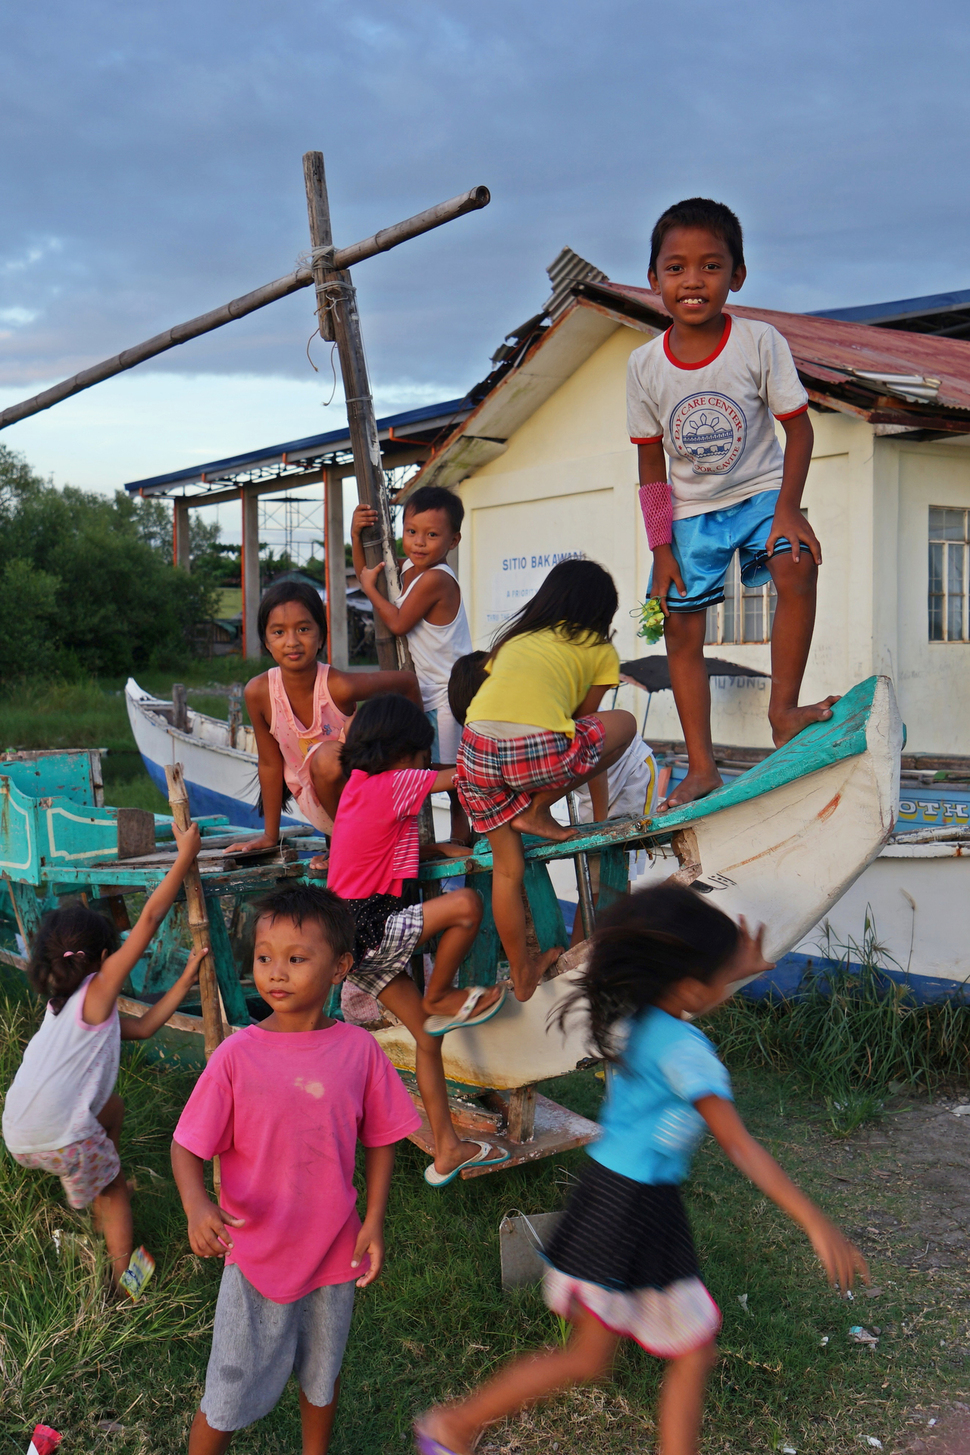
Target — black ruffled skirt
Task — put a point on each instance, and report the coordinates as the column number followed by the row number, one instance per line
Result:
column 623, row 1251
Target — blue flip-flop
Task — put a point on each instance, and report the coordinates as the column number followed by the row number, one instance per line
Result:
column 481, row 1158
column 440, row 1025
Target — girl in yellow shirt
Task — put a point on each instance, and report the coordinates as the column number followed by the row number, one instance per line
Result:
column 532, row 734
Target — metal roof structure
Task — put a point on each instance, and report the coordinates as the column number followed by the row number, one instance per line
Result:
column 405, row 438
column 898, row 381
column 946, row 315
column 889, row 375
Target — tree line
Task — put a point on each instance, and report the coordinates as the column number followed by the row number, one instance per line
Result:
column 87, row 584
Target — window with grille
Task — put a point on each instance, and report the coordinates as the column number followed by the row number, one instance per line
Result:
column 949, row 616
column 745, row 614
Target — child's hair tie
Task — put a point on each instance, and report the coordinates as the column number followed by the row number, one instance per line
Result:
column 66, row 953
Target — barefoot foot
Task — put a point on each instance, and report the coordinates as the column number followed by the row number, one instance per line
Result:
column 788, row 724
column 441, row 1426
column 527, row 977
column 539, row 821
column 694, row 786
column 450, row 1002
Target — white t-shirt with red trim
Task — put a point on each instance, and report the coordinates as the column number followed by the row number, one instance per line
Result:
column 715, row 417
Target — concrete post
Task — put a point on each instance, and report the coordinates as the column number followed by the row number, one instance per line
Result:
column 180, row 533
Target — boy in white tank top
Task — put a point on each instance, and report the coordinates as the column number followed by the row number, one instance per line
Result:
column 429, row 612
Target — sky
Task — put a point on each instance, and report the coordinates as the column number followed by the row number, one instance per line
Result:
column 151, row 169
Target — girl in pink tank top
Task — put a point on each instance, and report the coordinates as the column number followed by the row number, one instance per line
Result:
column 299, row 710
column 298, row 743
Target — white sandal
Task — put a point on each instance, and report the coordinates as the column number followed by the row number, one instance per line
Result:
column 434, row 1178
column 439, row 1025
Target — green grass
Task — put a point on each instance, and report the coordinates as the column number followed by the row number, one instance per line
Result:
column 437, row 1320
column 852, row 1036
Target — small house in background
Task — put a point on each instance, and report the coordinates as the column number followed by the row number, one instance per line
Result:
column 218, row 637
column 546, row 470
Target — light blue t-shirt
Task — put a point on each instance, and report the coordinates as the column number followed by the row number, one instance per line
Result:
column 650, row 1127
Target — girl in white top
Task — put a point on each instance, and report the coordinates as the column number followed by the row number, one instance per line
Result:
column 62, row 1113
column 429, row 612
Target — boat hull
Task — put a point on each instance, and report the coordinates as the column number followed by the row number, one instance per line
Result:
column 220, row 779
column 782, row 858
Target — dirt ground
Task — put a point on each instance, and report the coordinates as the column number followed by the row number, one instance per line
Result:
column 922, row 1151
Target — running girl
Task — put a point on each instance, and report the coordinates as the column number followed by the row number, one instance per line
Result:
column 622, row 1261
column 62, row 1113
column 373, row 856
column 533, row 733
column 299, row 710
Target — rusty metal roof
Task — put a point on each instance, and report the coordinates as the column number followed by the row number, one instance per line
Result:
column 886, row 375
column 895, row 380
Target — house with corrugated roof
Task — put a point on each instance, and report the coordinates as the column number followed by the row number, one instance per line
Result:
column 545, row 468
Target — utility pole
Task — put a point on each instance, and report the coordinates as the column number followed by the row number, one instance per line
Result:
column 339, row 320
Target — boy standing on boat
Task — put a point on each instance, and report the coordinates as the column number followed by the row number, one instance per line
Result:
column 284, row 1104
column 708, row 393
column 429, row 612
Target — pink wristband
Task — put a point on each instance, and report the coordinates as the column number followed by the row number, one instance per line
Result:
column 657, row 505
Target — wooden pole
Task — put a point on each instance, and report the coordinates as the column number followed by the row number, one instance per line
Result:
column 235, row 713
column 212, row 1027
column 249, row 569
column 339, row 319
column 336, row 570
column 380, row 242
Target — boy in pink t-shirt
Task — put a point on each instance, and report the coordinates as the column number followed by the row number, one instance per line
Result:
column 283, row 1104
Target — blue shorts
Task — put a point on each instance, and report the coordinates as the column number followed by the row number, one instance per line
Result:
column 704, row 546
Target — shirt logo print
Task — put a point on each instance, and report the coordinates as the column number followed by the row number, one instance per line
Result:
column 710, row 430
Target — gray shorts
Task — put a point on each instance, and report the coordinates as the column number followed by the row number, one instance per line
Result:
column 402, row 934
column 257, row 1344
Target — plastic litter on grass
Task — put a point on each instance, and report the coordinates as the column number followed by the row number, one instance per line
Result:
column 44, row 1441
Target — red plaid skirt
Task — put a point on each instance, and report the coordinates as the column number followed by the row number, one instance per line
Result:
column 496, row 777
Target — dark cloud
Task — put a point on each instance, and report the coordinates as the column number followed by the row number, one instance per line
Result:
column 150, row 165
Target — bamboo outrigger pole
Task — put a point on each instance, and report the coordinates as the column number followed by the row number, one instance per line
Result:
column 369, row 247
column 212, row 1027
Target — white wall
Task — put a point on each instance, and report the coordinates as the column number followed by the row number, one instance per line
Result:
column 933, row 678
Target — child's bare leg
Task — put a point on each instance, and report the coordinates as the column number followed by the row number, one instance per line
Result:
column 461, row 832
column 791, row 638
column 112, row 1218
column 599, row 796
column 682, row 1400
column 204, row 1440
column 587, row 1356
column 619, row 728
column 508, row 872
column 329, row 782
column 684, row 633
column 112, row 1206
column 403, row 997
column 316, row 1422
column 456, row 917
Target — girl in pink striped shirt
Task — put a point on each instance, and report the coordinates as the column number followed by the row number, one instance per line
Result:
column 373, row 862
